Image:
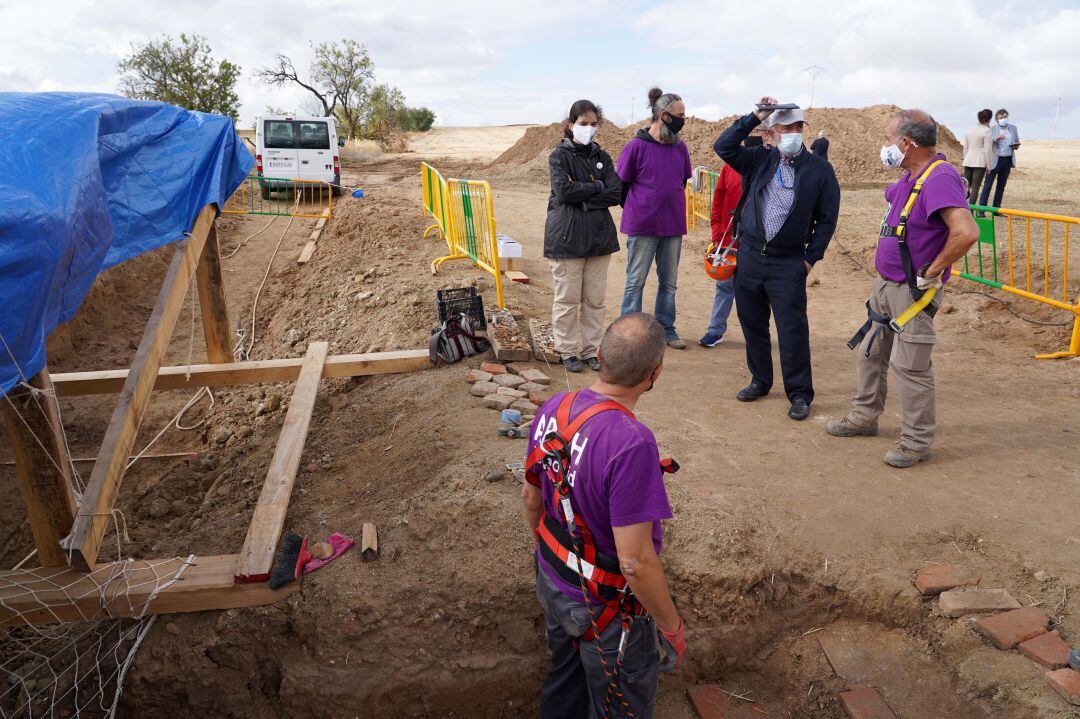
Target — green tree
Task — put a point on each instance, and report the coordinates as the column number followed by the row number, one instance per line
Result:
column 419, row 119
column 383, row 116
column 339, row 78
column 181, row 72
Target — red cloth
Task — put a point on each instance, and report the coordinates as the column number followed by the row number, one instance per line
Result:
column 725, row 198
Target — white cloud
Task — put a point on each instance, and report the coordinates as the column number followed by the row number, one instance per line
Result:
column 482, row 62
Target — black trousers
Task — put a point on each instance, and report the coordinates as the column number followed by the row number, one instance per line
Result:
column 775, row 285
column 1001, row 173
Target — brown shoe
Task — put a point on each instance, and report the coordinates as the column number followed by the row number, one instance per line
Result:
column 904, row 457
column 848, row 428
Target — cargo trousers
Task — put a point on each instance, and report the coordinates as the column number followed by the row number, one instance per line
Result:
column 908, row 353
column 576, row 684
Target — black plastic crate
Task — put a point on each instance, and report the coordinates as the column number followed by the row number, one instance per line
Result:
column 462, row 300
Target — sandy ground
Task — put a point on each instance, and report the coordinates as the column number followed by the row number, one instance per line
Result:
column 781, row 532
column 480, row 144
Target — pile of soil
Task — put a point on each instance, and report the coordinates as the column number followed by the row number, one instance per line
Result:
column 855, row 136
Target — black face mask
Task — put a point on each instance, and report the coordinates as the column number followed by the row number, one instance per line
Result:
column 753, row 142
column 675, row 123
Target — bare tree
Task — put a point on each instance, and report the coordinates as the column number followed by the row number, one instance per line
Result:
column 338, row 79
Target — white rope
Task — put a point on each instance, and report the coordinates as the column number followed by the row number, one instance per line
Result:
column 249, row 237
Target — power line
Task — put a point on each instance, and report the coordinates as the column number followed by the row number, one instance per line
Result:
column 814, row 71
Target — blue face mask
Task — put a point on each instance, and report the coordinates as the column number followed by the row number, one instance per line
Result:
column 1004, row 121
column 790, row 142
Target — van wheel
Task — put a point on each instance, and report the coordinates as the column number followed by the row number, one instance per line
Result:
column 335, row 191
column 266, row 192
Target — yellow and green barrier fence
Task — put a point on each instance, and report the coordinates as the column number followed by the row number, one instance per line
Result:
column 464, row 214
column 1033, row 262
column 281, row 196
column 699, row 201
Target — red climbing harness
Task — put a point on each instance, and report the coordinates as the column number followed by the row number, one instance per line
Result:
column 568, row 545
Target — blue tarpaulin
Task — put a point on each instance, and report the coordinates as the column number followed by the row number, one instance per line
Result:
column 88, row 181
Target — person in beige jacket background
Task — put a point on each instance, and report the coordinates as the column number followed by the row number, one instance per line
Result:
column 978, row 154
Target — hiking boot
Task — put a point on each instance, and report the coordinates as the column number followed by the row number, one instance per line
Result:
column 676, row 343
column 847, row 427
column 572, row 364
column 710, row 340
column 593, row 363
column 904, row 457
column 1074, row 659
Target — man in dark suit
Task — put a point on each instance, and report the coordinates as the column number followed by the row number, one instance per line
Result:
column 820, row 146
column 791, row 200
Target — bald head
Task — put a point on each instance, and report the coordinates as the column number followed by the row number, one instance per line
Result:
column 916, row 125
column 632, row 347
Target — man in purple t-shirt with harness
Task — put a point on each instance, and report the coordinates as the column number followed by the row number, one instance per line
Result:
column 927, row 228
column 596, row 499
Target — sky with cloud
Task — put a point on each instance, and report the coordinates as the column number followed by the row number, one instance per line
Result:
column 483, row 62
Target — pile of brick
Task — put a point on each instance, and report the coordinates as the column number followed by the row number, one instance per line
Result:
column 1003, row 622
column 517, row 385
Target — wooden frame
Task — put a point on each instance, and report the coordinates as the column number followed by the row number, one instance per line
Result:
column 213, row 582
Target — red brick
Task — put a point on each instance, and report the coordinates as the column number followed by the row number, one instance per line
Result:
column 518, row 367
column 1048, row 649
column 958, row 602
column 938, row 578
column 865, row 703
column 493, row 368
column 538, row 398
column 1066, row 682
column 711, row 703
column 1007, row 630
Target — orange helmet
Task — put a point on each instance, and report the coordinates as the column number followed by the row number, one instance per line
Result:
column 720, row 262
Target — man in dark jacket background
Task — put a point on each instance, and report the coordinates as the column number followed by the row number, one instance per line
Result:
column 791, row 202
column 580, row 236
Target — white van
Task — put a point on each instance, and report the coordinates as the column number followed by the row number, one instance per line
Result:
column 297, row 148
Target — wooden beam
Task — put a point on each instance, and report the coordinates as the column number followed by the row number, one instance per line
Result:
column 257, row 556
column 42, row 465
column 72, row 384
column 99, row 498
column 306, row 253
column 215, row 311
column 71, row 595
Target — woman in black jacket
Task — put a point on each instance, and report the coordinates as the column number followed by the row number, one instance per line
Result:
column 580, row 236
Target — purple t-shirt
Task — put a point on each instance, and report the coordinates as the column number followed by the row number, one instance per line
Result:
column 656, row 176
column 926, row 232
column 615, row 474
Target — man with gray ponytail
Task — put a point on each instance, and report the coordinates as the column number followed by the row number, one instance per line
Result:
column 654, row 167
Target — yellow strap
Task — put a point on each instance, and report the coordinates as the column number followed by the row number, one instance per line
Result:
column 907, row 315
column 915, row 194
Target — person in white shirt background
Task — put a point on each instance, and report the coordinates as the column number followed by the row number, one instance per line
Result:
column 1006, row 141
column 979, row 154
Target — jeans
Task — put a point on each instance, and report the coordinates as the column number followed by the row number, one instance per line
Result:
column 777, row 286
column 1001, row 173
column 640, row 252
column 576, row 685
column 721, row 306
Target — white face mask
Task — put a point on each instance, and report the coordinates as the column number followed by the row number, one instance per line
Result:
column 891, row 156
column 583, row 134
column 790, row 142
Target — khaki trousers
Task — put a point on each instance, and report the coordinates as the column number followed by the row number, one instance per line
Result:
column 577, row 316
column 908, row 353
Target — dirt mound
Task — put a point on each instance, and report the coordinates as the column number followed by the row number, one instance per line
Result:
column 855, row 136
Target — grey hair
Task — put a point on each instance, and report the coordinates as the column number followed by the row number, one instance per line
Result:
column 632, row 347
column 660, row 103
column 917, row 125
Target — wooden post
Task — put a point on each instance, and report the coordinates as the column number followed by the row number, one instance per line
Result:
column 103, row 487
column 257, row 556
column 215, row 311
column 41, row 461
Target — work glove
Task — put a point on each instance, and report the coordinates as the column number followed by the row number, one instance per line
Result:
column 674, row 644
column 925, row 283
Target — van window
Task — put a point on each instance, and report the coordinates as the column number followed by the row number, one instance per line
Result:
column 279, row 134
column 314, row 136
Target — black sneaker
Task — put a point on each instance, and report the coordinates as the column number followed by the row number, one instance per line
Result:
column 594, row 364
column 751, row 392
column 800, row 410
column 572, row 364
